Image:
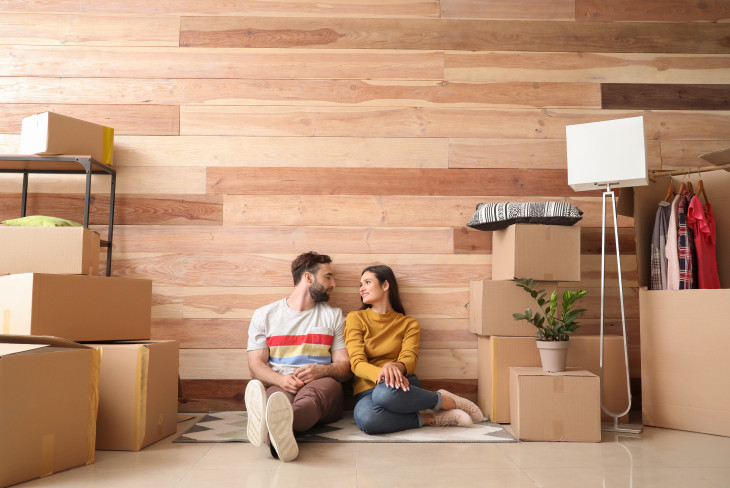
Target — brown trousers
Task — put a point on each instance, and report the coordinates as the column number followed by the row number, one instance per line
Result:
column 319, row 402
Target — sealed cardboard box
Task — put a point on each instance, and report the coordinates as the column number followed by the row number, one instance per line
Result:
column 492, row 303
column 48, row 406
column 137, row 394
column 555, row 406
column 60, row 250
column 78, row 308
column 540, row 252
column 585, row 353
column 497, row 354
column 684, row 333
column 49, row 133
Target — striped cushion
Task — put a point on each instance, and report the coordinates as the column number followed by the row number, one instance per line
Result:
column 495, row 216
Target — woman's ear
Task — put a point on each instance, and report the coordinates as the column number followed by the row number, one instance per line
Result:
column 385, row 285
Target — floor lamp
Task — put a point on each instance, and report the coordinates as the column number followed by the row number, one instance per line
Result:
column 609, row 154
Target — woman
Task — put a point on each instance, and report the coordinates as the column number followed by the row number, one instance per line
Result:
column 382, row 342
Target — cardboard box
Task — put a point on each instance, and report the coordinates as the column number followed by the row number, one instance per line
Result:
column 496, row 355
column 60, row 250
column 48, row 405
column 78, row 308
column 684, row 333
column 137, row 394
column 555, row 406
column 492, row 303
column 585, row 353
column 49, row 133
column 684, row 360
column 540, row 252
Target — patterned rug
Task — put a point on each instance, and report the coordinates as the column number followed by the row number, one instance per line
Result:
column 231, row 427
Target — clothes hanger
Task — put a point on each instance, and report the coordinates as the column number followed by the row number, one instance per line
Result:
column 671, row 192
column 689, row 183
column 683, row 186
column 701, row 188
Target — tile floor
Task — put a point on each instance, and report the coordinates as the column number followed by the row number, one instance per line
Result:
column 657, row 458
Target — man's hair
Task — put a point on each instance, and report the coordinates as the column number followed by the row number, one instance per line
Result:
column 307, row 263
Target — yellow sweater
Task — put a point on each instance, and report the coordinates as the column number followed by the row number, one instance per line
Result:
column 373, row 339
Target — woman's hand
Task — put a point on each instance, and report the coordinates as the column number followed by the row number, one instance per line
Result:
column 393, row 377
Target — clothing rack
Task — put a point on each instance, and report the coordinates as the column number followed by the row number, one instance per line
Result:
column 687, row 171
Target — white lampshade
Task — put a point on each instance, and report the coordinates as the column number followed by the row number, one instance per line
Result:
column 610, row 152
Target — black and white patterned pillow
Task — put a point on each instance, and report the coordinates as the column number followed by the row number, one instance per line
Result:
column 495, row 216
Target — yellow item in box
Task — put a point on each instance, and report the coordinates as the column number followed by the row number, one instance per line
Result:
column 555, row 406
column 48, row 404
column 49, row 133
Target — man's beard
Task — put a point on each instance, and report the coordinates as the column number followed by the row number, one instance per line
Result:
column 318, row 292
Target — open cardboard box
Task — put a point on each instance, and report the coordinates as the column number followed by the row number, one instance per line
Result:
column 49, row 391
column 684, row 333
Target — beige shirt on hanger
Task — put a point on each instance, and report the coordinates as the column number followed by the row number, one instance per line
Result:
column 671, row 249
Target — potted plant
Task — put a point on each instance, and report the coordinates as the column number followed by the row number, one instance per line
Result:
column 554, row 325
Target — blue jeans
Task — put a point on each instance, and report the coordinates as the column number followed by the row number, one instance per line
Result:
column 383, row 409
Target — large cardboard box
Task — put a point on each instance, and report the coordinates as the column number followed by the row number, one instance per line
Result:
column 60, row 250
column 585, row 353
column 555, row 406
column 48, row 406
column 78, row 308
column 684, row 333
column 138, row 394
column 496, row 355
column 492, row 303
column 49, row 133
column 540, row 252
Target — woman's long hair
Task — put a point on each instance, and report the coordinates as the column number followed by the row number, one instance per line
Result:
column 383, row 273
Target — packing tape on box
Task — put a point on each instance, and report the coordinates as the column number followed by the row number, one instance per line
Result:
column 140, row 396
column 493, row 347
column 48, row 448
column 558, row 384
column 107, row 134
column 6, row 321
column 93, row 404
column 558, row 430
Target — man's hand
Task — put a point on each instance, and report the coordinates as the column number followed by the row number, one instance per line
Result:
column 290, row 383
column 310, row 372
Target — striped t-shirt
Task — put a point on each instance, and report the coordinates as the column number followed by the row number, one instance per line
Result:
column 296, row 338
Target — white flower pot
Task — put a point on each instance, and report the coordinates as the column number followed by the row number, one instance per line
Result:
column 553, row 355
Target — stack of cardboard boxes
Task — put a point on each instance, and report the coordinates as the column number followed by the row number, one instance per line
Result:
column 512, row 386
column 78, row 371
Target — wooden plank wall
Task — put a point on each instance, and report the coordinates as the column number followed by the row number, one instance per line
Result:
column 247, row 132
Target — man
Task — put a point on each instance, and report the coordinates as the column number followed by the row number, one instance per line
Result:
column 296, row 349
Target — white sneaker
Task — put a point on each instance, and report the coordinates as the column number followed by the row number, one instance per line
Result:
column 255, row 399
column 452, row 418
column 466, row 405
column 279, row 421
